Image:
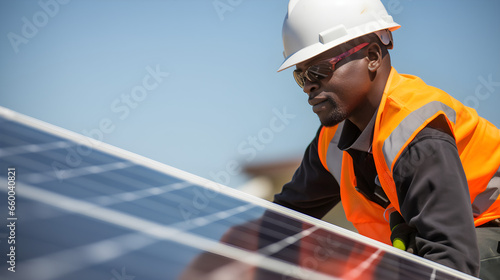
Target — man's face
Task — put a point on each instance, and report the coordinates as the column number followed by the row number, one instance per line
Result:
column 342, row 94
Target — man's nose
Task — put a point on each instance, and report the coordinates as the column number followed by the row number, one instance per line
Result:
column 310, row 86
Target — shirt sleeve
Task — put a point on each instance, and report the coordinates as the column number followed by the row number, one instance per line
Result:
column 434, row 198
column 312, row 190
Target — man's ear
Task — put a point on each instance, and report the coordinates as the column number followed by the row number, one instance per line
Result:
column 374, row 57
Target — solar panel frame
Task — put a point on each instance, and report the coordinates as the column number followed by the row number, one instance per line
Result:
column 160, row 231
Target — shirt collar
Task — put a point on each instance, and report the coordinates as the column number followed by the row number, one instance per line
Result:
column 353, row 138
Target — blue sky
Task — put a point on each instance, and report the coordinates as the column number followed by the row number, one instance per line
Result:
column 193, row 83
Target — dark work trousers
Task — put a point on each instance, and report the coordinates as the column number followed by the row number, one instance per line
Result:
column 488, row 239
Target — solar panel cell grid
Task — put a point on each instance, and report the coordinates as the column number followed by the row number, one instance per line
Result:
column 88, row 211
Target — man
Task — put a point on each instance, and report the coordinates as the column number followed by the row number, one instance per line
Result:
column 402, row 155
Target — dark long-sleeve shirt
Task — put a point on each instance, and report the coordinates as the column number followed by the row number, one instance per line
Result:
column 431, row 185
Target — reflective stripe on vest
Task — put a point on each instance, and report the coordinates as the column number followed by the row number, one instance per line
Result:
column 334, row 154
column 394, row 144
column 488, row 197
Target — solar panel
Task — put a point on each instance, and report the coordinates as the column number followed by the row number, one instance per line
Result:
column 74, row 208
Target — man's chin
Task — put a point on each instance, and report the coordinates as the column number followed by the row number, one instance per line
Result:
column 331, row 117
column 332, row 121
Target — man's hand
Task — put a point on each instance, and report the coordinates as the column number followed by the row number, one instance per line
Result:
column 403, row 235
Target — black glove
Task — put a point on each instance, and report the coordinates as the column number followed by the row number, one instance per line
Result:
column 403, row 235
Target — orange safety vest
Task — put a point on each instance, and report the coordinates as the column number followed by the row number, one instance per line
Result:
column 407, row 106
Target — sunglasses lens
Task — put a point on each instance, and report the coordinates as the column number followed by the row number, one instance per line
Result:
column 314, row 74
column 299, row 77
column 319, row 71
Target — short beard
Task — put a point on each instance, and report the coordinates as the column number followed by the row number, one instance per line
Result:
column 335, row 116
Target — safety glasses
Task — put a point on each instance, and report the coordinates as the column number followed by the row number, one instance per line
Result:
column 323, row 69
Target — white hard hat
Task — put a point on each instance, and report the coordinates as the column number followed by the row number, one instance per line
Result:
column 314, row 26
